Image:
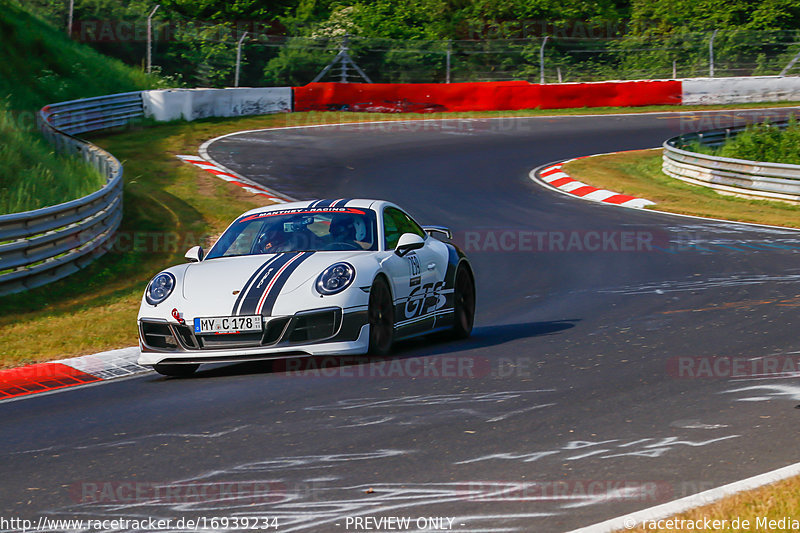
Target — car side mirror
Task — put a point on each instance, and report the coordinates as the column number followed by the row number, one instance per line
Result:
column 195, row 254
column 408, row 242
column 440, row 230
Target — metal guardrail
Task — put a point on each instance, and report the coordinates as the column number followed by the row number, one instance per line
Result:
column 735, row 176
column 40, row 246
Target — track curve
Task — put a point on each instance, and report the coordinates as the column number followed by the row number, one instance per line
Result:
column 570, row 405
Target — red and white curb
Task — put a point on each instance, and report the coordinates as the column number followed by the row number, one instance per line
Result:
column 555, row 177
column 229, row 177
column 72, row 372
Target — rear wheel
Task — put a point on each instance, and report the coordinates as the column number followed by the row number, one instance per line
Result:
column 381, row 318
column 176, row 370
column 463, row 303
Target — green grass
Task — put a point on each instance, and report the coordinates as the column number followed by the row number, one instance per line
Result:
column 335, row 117
column 32, row 176
column 638, row 173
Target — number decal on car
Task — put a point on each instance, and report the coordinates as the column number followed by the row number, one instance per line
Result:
column 414, row 270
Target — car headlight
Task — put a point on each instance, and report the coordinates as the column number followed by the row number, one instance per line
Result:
column 160, row 288
column 335, row 278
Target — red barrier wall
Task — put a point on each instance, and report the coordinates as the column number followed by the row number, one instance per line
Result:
column 436, row 97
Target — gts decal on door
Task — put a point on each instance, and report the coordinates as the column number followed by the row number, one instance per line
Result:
column 425, row 299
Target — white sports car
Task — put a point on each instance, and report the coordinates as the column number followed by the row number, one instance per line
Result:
column 306, row 278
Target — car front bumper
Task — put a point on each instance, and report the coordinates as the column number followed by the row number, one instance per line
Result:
column 326, row 331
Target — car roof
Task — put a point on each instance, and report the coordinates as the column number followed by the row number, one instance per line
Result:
column 335, row 202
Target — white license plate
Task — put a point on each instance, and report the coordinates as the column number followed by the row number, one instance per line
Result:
column 228, row 324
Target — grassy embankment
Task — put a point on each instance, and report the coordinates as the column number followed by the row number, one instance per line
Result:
column 31, row 176
column 762, row 142
column 43, row 67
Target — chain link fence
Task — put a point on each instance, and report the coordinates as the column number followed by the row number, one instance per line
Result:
column 196, row 54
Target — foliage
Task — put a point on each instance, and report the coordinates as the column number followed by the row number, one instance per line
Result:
column 297, row 63
column 290, row 41
column 678, row 16
column 765, row 142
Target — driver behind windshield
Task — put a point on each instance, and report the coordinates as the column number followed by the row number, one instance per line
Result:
column 272, row 240
column 297, row 232
column 349, row 231
column 287, row 236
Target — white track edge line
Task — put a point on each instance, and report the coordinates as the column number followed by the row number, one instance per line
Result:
column 690, row 502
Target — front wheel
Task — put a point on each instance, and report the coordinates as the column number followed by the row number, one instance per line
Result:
column 463, row 303
column 381, row 318
column 176, row 370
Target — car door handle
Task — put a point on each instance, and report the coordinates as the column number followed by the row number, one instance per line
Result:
column 431, row 266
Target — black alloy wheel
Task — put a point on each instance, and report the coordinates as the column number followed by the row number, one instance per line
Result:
column 381, row 318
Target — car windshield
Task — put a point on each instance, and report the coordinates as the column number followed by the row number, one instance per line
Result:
column 297, row 230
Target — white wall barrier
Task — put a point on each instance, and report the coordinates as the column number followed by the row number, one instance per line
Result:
column 192, row 104
column 707, row 91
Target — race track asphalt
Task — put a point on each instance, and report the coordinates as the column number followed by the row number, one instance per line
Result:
column 596, row 381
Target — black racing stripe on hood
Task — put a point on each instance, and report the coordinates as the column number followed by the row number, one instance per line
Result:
column 277, row 287
column 342, row 202
column 260, row 284
column 249, row 283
